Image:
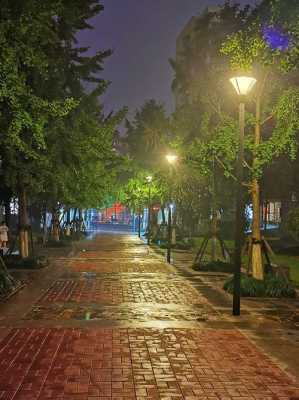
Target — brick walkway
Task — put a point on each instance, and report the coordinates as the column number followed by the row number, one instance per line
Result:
column 128, row 361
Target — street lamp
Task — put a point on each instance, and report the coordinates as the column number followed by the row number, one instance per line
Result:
column 171, row 158
column 149, row 180
column 243, row 85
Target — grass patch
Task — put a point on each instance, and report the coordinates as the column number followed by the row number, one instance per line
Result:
column 292, row 262
column 288, row 260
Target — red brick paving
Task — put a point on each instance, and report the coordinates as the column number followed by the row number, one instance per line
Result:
column 105, row 291
column 120, row 255
column 132, row 363
column 123, row 364
column 118, row 267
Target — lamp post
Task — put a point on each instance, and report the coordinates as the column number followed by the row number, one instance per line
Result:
column 242, row 85
column 149, row 180
column 171, row 158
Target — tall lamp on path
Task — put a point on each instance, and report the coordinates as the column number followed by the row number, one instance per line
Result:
column 149, row 180
column 243, row 85
column 171, row 158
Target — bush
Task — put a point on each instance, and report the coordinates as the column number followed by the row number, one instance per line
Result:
column 292, row 221
column 78, row 236
column 60, row 243
column 27, row 263
column 271, row 287
column 279, row 287
column 184, row 244
column 214, row 266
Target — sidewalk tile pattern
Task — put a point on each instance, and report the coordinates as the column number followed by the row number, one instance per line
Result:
column 137, row 364
column 119, row 267
column 111, row 291
column 127, row 313
column 121, row 255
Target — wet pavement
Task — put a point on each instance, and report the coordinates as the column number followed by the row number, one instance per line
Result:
column 114, row 321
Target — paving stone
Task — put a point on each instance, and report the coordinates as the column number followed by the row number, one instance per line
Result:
column 117, row 279
column 173, row 363
column 122, row 291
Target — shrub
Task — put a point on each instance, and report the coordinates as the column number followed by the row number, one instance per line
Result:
column 250, row 287
column 279, row 287
column 60, row 243
column 214, row 266
column 27, row 263
column 271, row 287
column 292, row 221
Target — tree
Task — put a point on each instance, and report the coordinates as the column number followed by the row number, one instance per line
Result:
column 26, row 27
column 271, row 52
column 46, row 108
column 199, row 84
column 199, row 67
column 147, row 135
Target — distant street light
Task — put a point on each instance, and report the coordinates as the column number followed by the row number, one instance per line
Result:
column 243, row 85
column 149, row 180
column 171, row 158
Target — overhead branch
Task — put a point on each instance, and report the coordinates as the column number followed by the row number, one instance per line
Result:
column 247, row 165
column 267, row 119
column 224, row 167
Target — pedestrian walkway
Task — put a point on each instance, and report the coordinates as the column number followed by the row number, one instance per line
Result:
column 116, row 322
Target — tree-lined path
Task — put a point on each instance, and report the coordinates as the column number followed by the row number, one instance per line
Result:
column 115, row 322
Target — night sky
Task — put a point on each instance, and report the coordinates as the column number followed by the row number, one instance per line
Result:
column 142, row 34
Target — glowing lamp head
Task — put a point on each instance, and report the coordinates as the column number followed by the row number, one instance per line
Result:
column 171, row 158
column 243, row 84
column 149, row 179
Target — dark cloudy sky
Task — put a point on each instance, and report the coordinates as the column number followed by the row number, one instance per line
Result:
column 142, row 34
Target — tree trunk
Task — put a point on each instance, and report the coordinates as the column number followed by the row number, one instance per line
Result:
column 214, row 236
column 68, row 223
column 265, row 215
column 163, row 215
column 55, row 225
column 256, row 248
column 23, row 223
column 139, row 223
column 80, row 220
column 256, row 255
column 7, row 212
column 45, row 228
column 173, row 227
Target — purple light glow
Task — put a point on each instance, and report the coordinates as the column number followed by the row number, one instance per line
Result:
column 275, row 38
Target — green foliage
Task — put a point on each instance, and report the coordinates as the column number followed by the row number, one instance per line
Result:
column 27, row 263
column 278, row 287
column 56, row 140
column 248, row 50
column 292, row 221
column 61, row 243
column 271, row 287
column 244, row 48
column 215, row 266
column 199, row 67
column 135, row 193
column 147, row 135
column 250, row 287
